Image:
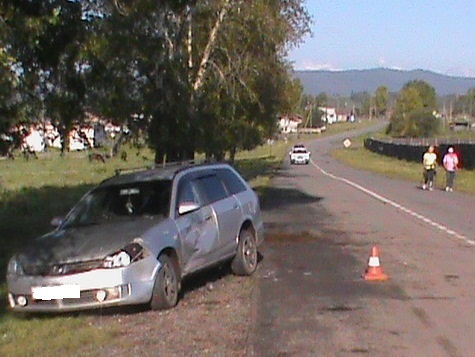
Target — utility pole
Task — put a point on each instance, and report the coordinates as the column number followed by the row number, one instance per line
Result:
column 450, row 112
column 370, row 108
column 444, row 116
column 310, row 117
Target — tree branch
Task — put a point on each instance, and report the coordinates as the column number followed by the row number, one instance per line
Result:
column 209, row 46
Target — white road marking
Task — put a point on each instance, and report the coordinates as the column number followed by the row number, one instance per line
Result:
column 396, row 205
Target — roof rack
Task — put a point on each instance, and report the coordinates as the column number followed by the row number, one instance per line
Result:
column 132, row 169
column 164, row 165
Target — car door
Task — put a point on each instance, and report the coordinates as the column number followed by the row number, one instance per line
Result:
column 197, row 228
column 227, row 210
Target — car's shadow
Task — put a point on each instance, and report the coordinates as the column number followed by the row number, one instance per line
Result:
column 201, row 279
column 281, row 197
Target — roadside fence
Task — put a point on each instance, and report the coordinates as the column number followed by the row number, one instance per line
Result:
column 413, row 149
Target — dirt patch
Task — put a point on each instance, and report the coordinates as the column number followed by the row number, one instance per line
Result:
column 211, row 319
column 291, row 238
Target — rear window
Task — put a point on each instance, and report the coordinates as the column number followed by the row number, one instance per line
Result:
column 213, row 188
column 233, row 183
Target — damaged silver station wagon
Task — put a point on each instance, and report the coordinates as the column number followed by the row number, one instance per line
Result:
column 133, row 238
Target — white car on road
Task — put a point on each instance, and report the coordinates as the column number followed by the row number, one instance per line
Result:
column 299, row 155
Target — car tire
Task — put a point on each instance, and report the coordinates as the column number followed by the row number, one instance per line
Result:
column 167, row 284
column 245, row 260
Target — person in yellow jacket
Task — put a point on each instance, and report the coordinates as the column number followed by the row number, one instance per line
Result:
column 429, row 161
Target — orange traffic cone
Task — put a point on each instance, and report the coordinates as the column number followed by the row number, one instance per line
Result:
column 374, row 270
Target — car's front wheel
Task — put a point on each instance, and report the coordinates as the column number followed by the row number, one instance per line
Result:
column 245, row 261
column 167, row 283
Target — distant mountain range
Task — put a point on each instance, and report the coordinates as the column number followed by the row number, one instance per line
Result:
column 344, row 83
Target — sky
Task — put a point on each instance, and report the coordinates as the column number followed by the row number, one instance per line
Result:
column 436, row 35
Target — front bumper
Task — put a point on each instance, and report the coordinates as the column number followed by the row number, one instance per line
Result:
column 300, row 159
column 99, row 288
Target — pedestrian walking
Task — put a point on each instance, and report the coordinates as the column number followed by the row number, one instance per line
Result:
column 451, row 163
column 429, row 162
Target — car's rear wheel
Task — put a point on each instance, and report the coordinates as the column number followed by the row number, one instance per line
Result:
column 245, row 261
column 167, row 284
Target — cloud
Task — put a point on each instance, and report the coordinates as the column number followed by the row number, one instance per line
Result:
column 310, row 65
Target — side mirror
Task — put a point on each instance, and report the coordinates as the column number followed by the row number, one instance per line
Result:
column 56, row 222
column 187, row 207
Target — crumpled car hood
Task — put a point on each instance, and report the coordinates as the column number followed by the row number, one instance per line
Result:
column 85, row 243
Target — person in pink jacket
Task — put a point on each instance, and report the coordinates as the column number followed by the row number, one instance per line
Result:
column 450, row 162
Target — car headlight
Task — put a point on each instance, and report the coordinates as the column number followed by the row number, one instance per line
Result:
column 14, row 267
column 124, row 257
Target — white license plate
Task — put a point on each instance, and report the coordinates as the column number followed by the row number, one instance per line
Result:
column 56, row 292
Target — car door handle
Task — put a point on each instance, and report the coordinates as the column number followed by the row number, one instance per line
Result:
column 207, row 218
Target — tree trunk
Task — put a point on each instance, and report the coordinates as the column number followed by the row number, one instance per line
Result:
column 219, row 156
column 232, row 154
column 159, row 157
column 64, row 137
column 209, row 46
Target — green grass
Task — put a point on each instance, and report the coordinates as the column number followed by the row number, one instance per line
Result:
column 345, row 126
column 52, row 336
column 34, row 191
column 357, row 156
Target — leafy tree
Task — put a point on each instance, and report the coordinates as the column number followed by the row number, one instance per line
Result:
column 310, row 109
column 425, row 124
column 291, row 93
column 412, row 116
column 10, row 104
column 316, row 118
column 321, row 99
column 381, row 98
column 426, row 92
column 192, row 71
column 46, row 39
column 464, row 104
column 250, row 73
column 9, row 100
column 138, row 66
column 362, row 102
column 208, row 76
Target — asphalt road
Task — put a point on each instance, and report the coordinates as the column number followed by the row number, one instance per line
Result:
column 322, row 220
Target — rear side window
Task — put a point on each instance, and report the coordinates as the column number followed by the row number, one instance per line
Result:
column 232, row 182
column 213, row 188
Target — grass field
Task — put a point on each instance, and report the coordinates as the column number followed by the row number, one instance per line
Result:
column 33, row 192
column 357, row 156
